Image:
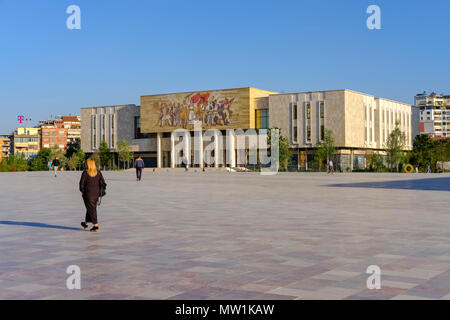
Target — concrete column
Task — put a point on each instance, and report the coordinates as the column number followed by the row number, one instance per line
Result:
column 231, row 154
column 351, row 159
column 159, row 154
column 367, row 123
column 172, row 151
column 216, row 149
column 186, row 148
column 198, row 145
column 373, row 124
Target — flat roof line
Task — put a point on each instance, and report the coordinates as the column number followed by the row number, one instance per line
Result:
column 359, row 92
column 184, row 92
column 116, row 105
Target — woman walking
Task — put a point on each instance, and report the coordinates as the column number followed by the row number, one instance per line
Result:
column 90, row 189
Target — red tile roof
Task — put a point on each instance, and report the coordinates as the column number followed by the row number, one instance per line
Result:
column 70, row 119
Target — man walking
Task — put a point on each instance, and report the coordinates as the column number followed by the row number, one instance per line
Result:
column 330, row 167
column 185, row 163
column 139, row 165
column 55, row 165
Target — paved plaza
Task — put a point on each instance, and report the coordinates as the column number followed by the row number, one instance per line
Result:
column 218, row 235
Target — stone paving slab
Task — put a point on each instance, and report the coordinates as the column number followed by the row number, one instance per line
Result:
column 219, row 235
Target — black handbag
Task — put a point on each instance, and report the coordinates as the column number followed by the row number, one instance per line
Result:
column 102, row 191
column 102, row 188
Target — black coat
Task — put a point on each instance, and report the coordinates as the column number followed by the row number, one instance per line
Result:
column 90, row 186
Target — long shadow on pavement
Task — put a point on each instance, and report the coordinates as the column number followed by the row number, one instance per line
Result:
column 433, row 184
column 37, row 224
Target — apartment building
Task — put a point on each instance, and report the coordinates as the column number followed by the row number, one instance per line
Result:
column 5, row 145
column 73, row 126
column 433, row 114
column 53, row 134
column 27, row 141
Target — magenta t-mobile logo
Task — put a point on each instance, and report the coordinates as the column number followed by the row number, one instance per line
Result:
column 22, row 119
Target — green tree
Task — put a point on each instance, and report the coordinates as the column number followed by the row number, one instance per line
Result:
column 81, row 158
column 395, row 144
column 73, row 147
column 124, row 151
column 4, row 165
column 105, row 154
column 73, row 162
column 58, row 153
column 325, row 150
column 18, row 161
column 422, row 151
column 376, row 162
column 40, row 162
column 284, row 152
column 440, row 152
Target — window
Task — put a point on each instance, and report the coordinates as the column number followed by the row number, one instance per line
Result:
column 308, row 133
column 322, row 110
column 294, row 111
column 295, row 134
column 137, row 129
column 308, row 111
column 103, row 128
column 262, row 119
column 322, row 132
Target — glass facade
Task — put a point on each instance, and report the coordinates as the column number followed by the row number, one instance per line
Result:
column 137, row 129
column 262, row 119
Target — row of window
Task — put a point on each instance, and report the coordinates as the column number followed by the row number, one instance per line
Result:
column 47, row 132
column 61, row 146
column 103, row 130
column 308, row 110
column 321, row 107
column 25, row 140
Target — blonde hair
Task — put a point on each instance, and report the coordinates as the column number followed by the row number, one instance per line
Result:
column 91, row 168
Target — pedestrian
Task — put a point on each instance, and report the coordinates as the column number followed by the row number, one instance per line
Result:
column 186, row 166
column 139, row 165
column 417, row 169
column 55, row 165
column 90, row 185
column 428, row 169
column 330, row 167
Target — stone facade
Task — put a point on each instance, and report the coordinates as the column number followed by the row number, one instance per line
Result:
column 360, row 122
column 114, row 124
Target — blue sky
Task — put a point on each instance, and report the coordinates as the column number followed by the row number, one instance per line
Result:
column 126, row 49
